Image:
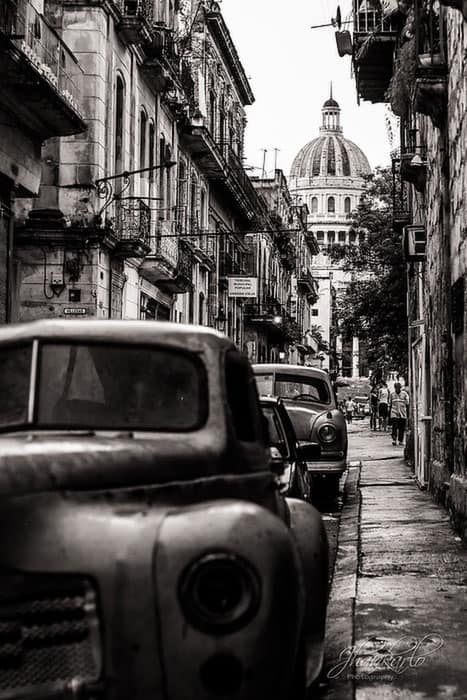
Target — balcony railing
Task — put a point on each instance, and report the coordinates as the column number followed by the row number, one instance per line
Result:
column 430, row 95
column 132, row 228
column 136, row 21
column 306, row 282
column 401, row 208
column 25, row 30
column 374, row 42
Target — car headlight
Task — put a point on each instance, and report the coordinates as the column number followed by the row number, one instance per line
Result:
column 327, row 433
column 219, row 592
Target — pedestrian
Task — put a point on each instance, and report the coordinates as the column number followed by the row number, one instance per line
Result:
column 398, row 403
column 373, row 407
column 383, row 402
column 349, row 409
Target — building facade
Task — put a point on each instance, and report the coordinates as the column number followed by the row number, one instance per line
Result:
column 138, row 204
column 416, row 60
column 328, row 176
column 40, row 98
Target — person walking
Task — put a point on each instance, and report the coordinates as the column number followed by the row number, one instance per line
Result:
column 349, row 409
column 373, row 408
column 398, row 404
column 383, row 402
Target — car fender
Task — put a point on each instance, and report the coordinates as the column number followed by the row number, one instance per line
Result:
column 308, row 529
column 263, row 650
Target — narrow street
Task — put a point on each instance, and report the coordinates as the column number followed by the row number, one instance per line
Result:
column 397, row 619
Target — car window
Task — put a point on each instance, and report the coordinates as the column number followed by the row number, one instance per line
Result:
column 242, row 398
column 290, row 386
column 120, row 387
column 15, row 372
column 276, row 433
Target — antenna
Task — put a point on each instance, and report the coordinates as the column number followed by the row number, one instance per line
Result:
column 276, row 151
column 265, row 150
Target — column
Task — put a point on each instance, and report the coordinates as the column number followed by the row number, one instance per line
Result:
column 355, row 357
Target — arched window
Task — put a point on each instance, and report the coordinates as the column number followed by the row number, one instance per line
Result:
column 314, row 205
column 119, row 113
column 143, row 122
column 152, row 145
column 347, row 205
column 331, row 205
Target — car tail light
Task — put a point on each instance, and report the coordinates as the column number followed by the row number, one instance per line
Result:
column 49, row 634
column 219, row 593
column 327, row 433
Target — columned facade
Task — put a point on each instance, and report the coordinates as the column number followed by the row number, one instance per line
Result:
column 328, row 176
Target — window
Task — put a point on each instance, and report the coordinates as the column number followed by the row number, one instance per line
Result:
column 121, row 387
column 314, row 205
column 242, row 397
column 341, row 236
column 152, row 144
column 143, row 121
column 361, row 237
column 314, row 312
column 15, row 371
column 162, row 170
column 320, row 236
column 331, row 205
column 331, row 236
column 119, row 109
column 347, row 205
column 353, row 236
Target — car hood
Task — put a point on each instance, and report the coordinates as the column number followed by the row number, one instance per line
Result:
column 33, row 462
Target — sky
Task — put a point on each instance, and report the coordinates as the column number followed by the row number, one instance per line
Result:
column 290, row 67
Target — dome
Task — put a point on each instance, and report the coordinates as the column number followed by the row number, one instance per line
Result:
column 330, row 155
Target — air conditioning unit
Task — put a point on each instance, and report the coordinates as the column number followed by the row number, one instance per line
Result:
column 414, row 243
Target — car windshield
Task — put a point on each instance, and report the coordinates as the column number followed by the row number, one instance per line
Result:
column 296, row 387
column 107, row 387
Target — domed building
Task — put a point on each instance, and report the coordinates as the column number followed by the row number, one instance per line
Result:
column 328, row 175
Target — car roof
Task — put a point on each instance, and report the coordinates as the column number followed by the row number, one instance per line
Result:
column 104, row 330
column 296, row 369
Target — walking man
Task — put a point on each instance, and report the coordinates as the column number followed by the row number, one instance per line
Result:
column 373, row 408
column 349, row 409
column 383, row 401
column 398, row 404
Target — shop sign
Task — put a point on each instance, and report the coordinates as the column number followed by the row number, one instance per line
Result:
column 243, row 287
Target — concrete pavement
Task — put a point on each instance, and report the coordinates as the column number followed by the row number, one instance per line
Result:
column 397, row 622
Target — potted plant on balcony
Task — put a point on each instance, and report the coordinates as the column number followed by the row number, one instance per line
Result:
column 402, row 82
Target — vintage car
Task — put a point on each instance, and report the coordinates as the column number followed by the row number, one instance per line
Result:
column 289, row 456
column 145, row 549
column 362, row 406
column 311, row 402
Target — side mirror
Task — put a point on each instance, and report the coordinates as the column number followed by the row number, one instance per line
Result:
column 276, row 461
column 309, row 451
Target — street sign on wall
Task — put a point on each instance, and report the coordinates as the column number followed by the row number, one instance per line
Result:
column 75, row 311
column 243, row 287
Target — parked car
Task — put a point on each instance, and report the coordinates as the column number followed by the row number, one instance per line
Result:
column 362, row 406
column 145, row 548
column 311, row 402
column 289, row 456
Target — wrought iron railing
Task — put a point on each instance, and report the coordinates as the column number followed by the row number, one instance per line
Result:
column 33, row 36
column 401, row 204
column 371, row 19
column 234, row 162
column 133, row 220
column 139, row 9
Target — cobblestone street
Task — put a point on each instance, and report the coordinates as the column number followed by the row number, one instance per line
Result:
column 397, row 622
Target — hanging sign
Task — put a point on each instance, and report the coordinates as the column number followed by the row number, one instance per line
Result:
column 243, row 287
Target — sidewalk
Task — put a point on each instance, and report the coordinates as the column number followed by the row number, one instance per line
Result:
column 398, row 611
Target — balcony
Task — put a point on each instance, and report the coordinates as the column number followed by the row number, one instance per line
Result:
column 132, row 228
column 374, row 45
column 162, row 65
column 202, row 245
column 228, row 265
column 136, row 20
column 273, row 319
column 40, row 79
column 169, row 263
column 307, row 284
column 430, row 93
column 223, row 167
column 413, row 164
column 401, row 210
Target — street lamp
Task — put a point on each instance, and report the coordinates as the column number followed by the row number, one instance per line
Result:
column 220, row 319
column 104, row 185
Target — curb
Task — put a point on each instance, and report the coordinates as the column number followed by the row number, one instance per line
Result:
column 340, row 621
